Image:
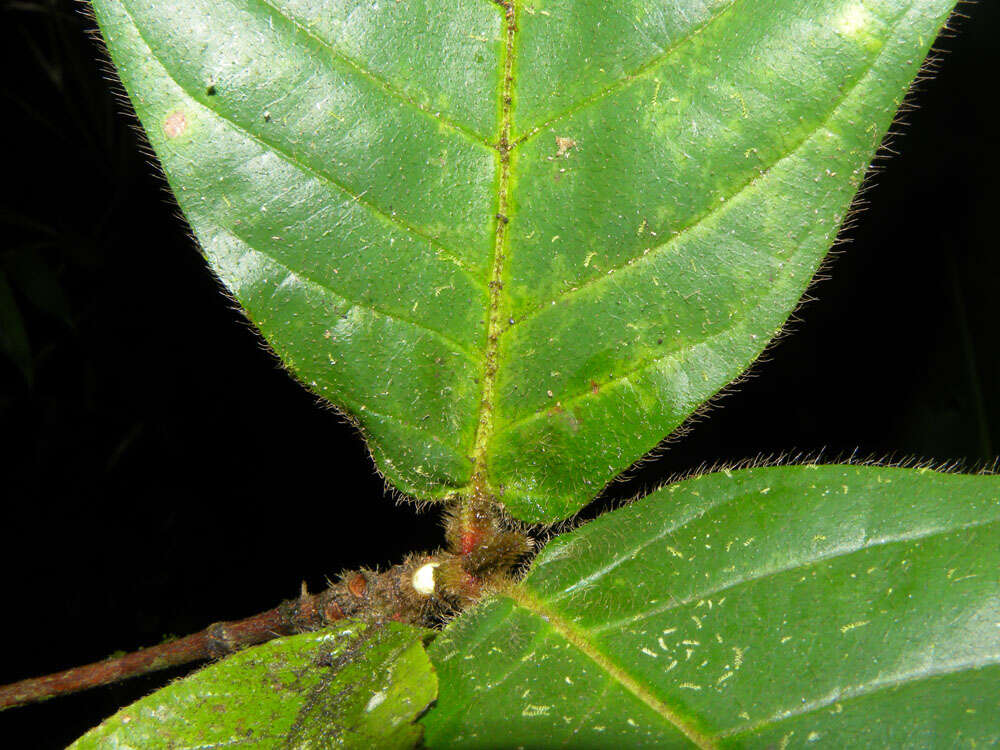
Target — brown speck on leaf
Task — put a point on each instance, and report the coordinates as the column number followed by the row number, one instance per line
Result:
column 563, row 145
column 594, row 387
column 175, row 125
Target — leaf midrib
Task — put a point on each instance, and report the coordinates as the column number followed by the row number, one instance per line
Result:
column 479, row 485
column 580, row 640
column 479, row 481
column 716, row 209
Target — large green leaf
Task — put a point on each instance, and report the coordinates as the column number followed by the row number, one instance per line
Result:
column 518, row 242
column 356, row 687
column 769, row 608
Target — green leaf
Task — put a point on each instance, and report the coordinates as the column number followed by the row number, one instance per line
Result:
column 519, row 245
column 859, row 607
column 357, row 687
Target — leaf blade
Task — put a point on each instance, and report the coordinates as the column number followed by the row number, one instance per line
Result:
column 361, row 687
column 694, row 208
column 521, row 261
column 745, row 607
column 314, row 234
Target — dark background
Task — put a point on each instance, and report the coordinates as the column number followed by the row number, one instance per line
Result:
column 159, row 471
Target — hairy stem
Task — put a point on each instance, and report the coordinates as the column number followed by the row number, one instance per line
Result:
column 364, row 594
column 480, row 556
column 214, row 641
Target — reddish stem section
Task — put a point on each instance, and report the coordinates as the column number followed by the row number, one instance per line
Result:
column 365, row 594
column 214, row 641
column 481, row 554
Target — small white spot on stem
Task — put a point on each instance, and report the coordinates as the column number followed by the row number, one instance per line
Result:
column 423, row 579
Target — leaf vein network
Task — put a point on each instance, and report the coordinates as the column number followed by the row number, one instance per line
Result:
column 316, row 172
column 393, row 89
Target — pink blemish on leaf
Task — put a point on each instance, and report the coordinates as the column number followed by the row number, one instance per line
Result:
column 175, row 125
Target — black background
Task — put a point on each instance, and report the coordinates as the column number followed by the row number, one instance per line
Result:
column 159, row 471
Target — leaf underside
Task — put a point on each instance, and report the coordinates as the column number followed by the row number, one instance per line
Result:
column 355, row 687
column 518, row 248
column 855, row 607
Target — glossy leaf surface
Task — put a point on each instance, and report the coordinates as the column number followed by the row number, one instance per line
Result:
column 519, row 245
column 355, row 687
column 853, row 607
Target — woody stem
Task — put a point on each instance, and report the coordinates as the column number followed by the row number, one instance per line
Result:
column 214, row 641
column 364, row 594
